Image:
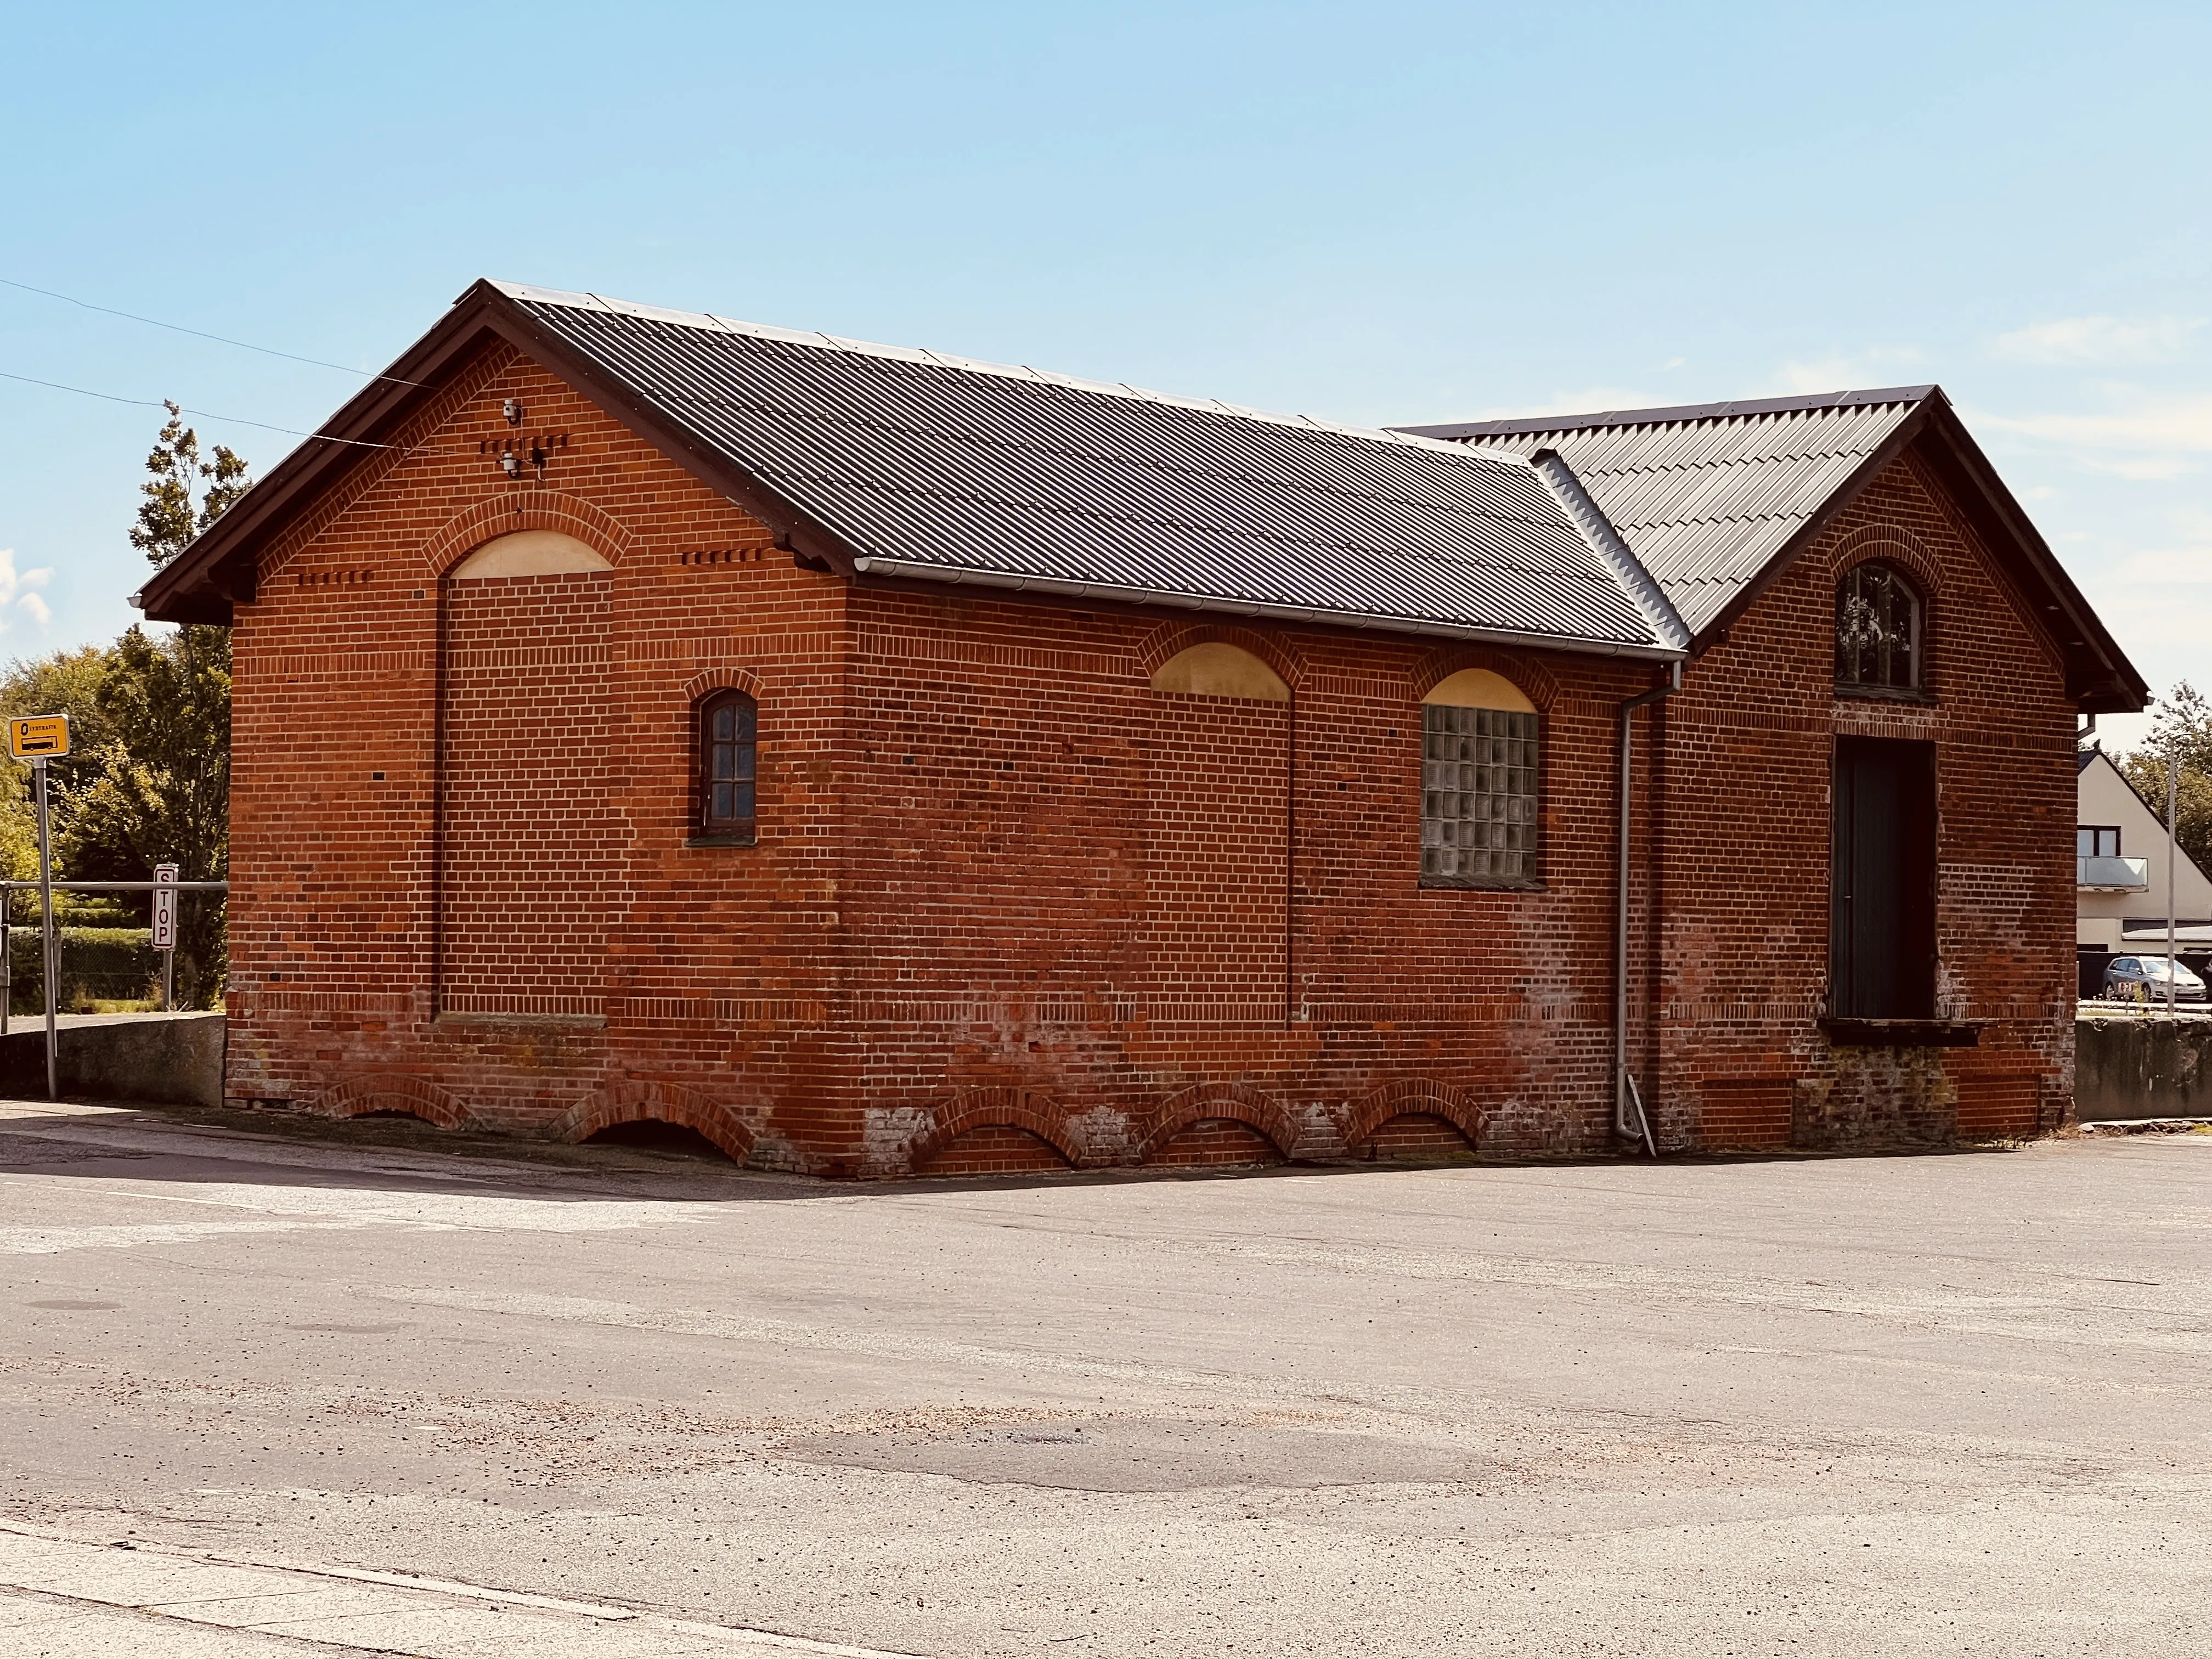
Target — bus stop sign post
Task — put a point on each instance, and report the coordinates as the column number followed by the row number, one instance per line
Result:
column 38, row 739
column 165, row 929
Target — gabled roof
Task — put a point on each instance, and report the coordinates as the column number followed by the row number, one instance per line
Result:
column 1715, row 499
column 892, row 463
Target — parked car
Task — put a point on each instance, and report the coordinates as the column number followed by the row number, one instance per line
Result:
column 2142, row 979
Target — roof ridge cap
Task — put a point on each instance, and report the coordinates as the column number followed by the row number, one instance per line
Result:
column 1605, row 540
column 1679, row 413
column 819, row 341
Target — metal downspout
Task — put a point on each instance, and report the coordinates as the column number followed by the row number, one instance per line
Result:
column 1625, row 1095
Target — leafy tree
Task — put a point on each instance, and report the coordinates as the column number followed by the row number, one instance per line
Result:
column 186, row 494
column 2181, row 728
column 63, row 682
column 148, row 780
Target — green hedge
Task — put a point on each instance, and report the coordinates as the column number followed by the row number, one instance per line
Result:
column 102, row 964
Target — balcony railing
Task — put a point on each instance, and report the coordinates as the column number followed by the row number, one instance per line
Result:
column 2105, row 875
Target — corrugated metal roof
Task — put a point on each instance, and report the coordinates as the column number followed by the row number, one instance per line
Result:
column 1706, row 495
column 932, row 464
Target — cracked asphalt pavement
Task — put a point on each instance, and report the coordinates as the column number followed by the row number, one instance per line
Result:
column 377, row 1391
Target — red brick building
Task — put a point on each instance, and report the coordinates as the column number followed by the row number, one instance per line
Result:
column 880, row 762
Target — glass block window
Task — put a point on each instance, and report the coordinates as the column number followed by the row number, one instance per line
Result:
column 1478, row 798
column 728, row 754
column 1877, row 630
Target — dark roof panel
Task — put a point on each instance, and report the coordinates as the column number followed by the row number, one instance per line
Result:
column 1708, row 495
column 1642, row 532
column 925, row 461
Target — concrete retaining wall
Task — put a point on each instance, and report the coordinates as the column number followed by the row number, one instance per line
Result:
column 2134, row 1068
column 160, row 1057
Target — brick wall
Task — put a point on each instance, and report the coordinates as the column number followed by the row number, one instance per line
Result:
column 1010, row 907
column 529, row 847
column 1742, row 967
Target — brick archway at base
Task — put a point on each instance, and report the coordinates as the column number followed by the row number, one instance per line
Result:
column 638, row 1098
column 984, row 1109
column 1238, row 1102
column 1421, row 1097
column 413, row 1095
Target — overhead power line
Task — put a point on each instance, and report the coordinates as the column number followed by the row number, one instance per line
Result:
column 204, row 414
column 202, row 334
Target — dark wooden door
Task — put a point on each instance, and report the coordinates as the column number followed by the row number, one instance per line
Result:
column 1882, row 939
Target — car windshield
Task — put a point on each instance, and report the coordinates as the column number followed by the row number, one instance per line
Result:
column 2154, row 968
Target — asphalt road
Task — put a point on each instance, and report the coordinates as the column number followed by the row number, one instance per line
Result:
column 341, row 1396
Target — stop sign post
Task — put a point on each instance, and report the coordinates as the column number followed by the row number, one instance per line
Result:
column 165, row 929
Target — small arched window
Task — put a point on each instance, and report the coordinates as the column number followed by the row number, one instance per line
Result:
column 726, row 725
column 1879, row 624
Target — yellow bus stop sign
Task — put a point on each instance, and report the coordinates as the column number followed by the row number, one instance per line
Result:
column 38, row 736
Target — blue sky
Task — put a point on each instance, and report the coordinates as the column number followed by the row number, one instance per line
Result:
column 1374, row 214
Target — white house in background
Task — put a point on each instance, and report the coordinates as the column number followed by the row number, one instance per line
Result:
column 2119, row 872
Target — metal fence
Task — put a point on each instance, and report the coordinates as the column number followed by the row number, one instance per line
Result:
column 109, row 964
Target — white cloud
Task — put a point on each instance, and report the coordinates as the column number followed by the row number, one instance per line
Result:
column 2143, row 422
column 1841, row 371
column 2188, row 559
column 2141, row 469
column 18, row 592
column 2100, row 340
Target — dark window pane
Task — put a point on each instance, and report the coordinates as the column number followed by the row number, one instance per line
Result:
column 1877, row 628
column 726, row 762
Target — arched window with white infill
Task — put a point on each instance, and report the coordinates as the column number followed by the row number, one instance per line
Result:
column 1480, row 781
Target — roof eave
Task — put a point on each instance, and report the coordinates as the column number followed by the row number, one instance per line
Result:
column 795, row 530
column 907, row 570
column 2099, row 679
column 216, row 572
